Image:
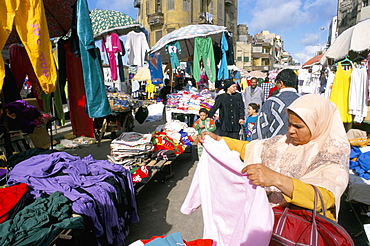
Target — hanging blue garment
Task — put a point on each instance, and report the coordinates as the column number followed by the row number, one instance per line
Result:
column 172, row 49
column 96, row 97
column 223, row 71
column 155, row 67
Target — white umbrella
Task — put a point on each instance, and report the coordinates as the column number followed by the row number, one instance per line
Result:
column 354, row 42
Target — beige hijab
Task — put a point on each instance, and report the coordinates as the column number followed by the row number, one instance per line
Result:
column 323, row 161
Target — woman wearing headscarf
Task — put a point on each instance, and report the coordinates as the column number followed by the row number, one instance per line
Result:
column 231, row 110
column 315, row 151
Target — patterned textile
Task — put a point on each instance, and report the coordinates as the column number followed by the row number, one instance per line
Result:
column 266, row 88
column 273, row 118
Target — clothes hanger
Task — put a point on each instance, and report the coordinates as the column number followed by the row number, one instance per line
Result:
column 345, row 61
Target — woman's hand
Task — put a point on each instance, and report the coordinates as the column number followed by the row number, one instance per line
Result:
column 211, row 134
column 264, row 176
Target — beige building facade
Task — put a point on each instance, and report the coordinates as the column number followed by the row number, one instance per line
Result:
column 161, row 17
column 350, row 12
column 243, row 48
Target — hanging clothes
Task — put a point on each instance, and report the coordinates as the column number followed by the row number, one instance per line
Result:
column 135, row 88
column 203, row 50
column 340, row 92
column 136, row 46
column 230, row 52
column 172, row 49
column 113, row 46
column 235, row 212
column 10, row 89
column 55, row 108
column 155, row 67
column 82, row 124
column 329, row 84
column 29, row 19
column 22, row 66
column 357, row 98
column 96, row 97
column 223, row 72
column 120, row 55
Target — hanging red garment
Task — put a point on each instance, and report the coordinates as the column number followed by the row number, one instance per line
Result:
column 82, row 124
column 21, row 66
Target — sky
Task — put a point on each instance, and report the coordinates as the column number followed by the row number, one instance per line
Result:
column 302, row 24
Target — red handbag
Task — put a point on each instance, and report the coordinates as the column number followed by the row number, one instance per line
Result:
column 299, row 226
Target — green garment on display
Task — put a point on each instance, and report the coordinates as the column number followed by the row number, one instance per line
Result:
column 172, row 49
column 40, row 222
column 203, row 50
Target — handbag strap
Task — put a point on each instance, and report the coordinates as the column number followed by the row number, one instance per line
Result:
column 314, row 235
column 317, row 192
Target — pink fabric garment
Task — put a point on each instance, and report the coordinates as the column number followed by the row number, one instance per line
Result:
column 112, row 46
column 235, row 212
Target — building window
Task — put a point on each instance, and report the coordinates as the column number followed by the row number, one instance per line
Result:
column 239, row 58
column 186, row 5
column 246, row 58
column 211, row 8
column 170, row 30
column 171, row 5
column 158, row 6
column 220, row 11
column 203, row 6
column 158, row 35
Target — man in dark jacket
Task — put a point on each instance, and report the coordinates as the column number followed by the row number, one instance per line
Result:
column 231, row 111
column 165, row 91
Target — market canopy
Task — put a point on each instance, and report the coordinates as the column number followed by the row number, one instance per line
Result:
column 314, row 60
column 257, row 74
column 58, row 14
column 185, row 35
column 353, row 42
column 107, row 21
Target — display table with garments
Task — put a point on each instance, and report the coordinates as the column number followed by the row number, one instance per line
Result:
column 184, row 105
column 146, row 154
column 122, row 117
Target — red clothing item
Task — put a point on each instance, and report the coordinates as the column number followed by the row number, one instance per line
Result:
column 9, row 197
column 272, row 90
column 197, row 242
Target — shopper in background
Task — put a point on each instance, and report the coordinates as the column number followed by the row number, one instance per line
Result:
column 231, row 111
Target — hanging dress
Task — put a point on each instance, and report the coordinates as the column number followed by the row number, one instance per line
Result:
column 340, row 92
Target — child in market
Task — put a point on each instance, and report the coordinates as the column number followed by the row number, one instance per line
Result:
column 251, row 120
column 204, row 123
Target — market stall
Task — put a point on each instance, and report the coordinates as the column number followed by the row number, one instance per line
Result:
column 146, row 154
column 122, row 106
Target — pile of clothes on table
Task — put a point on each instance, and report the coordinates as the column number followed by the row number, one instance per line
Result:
column 129, row 147
column 184, row 100
column 48, row 191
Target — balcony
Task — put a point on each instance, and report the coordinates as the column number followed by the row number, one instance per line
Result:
column 260, row 68
column 136, row 3
column 261, row 55
column 229, row 2
column 156, row 19
column 205, row 18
